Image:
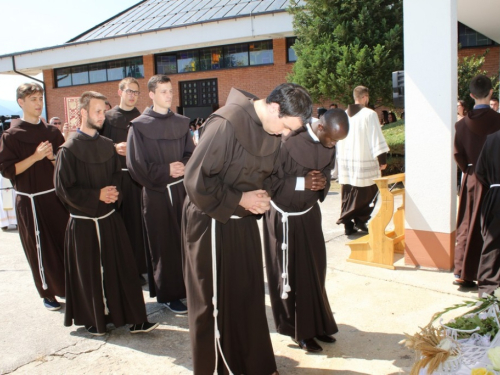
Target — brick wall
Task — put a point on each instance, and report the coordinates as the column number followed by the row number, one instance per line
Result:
column 259, row 80
column 492, row 60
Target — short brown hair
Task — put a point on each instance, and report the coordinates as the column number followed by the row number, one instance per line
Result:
column 28, row 89
column 86, row 97
column 360, row 91
column 127, row 81
column 155, row 80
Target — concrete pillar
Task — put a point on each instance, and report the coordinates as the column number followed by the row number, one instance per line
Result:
column 430, row 41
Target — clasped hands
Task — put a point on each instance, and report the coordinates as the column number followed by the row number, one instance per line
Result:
column 109, row 194
column 315, row 181
column 255, row 201
column 44, row 150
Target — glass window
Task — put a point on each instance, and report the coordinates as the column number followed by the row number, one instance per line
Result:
column 261, row 53
column 187, row 61
column 166, row 64
column 80, row 75
column 468, row 37
column 63, row 77
column 236, row 55
column 291, row 55
column 134, row 68
column 211, row 58
column 97, row 72
column 116, row 70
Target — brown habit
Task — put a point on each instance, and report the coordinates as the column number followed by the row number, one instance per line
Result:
column 470, row 135
column 18, row 143
column 154, row 141
column 306, row 312
column 234, row 155
column 488, row 173
column 84, row 166
column 116, row 128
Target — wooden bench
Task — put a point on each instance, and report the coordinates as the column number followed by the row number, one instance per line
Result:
column 378, row 247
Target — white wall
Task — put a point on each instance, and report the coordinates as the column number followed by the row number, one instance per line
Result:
column 430, row 40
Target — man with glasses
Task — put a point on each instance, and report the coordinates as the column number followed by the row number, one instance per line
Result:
column 116, row 128
column 56, row 121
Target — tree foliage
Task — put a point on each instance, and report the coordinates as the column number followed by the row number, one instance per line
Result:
column 468, row 68
column 342, row 44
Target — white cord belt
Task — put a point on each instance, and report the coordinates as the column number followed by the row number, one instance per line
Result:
column 170, row 192
column 214, row 299
column 284, row 246
column 37, row 233
column 469, row 165
column 494, row 185
column 96, row 222
column 124, row 169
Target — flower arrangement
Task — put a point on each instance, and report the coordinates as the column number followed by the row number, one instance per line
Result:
column 465, row 338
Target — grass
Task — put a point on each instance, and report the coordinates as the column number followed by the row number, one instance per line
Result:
column 394, row 134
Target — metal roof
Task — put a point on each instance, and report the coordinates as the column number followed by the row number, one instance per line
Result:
column 151, row 15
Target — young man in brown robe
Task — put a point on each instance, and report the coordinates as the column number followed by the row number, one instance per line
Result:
column 159, row 144
column 295, row 250
column 470, row 135
column 99, row 258
column 223, row 266
column 116, row 128
column 27, row 159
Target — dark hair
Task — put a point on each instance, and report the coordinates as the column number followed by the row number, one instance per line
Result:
column 393, row 116
column 385, row 117
column 28, row 89
column 87, row 96
column 321, row 111
column 333, row 105
column 155, row 80
column 480, row 86
column 294, row 101
column 494, row 98
column 336, row 117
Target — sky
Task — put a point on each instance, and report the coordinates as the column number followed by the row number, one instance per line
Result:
column 31, row 24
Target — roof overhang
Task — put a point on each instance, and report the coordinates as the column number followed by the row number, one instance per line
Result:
column 236, row 30
column 482, row 16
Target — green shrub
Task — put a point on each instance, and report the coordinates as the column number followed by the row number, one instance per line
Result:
column 394, row 134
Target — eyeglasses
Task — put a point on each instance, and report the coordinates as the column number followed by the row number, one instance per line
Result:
column 132, row 92
column 57, row 123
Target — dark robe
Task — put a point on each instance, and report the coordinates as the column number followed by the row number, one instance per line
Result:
column 470, row 135
column 487, row 172
column 84, row 166
column 234, row 155
column 306, row 312
column 18, row 143
column 116, row 128
column 154, row 141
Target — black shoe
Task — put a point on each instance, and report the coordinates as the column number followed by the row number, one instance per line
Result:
column 51, row 304
column 177, row 307
column 143, row 328
column 309, row 345
column 361, row 226
column 349, row 228
column 464, row 283
column 326, row 338
column 93, row 331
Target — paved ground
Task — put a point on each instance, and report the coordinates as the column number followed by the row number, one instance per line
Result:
column 372, row 306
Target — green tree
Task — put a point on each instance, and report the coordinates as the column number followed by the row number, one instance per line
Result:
column 468, row 68
column 345, row 43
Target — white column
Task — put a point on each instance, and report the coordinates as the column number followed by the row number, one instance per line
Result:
column 430, row 42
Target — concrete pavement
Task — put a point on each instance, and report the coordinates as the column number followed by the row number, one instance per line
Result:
column 372, row 306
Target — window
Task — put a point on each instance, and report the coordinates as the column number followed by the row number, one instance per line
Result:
column 201, row 93
column 291, row 55
column 468, row 37
column 261, row 53
column 99, row 72
column 236, row 55
column 213, row 58
column 166, row 64
column 187, row 61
